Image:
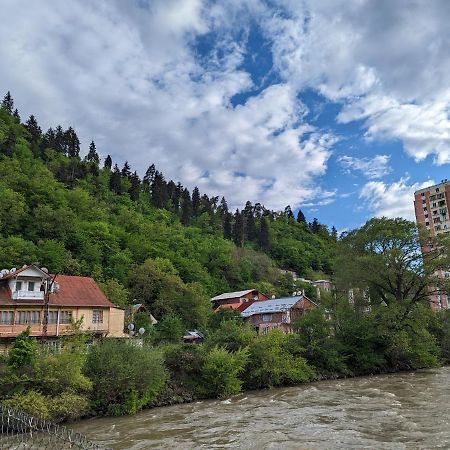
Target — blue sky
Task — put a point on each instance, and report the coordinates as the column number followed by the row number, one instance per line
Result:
column 338, row 107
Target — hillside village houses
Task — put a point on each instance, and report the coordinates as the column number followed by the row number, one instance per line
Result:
column 23, row 305
column 264, row 313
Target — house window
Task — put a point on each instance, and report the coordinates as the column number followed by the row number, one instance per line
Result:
column 423, row 194
column 425, row 209
column 28, row 317
column 18, row 285
column 66, row 317
column 267, row 317
column 53, row 317
column 437, row 189
column 6, row 318
column 424, row 202
column 426, row 216
column 31, row 286
column 97, row 316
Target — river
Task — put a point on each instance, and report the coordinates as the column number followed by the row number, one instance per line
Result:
column 400, row 411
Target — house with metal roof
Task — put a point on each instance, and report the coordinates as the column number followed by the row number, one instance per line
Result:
column 32, row 297
column 277, row 313
column 239, row 300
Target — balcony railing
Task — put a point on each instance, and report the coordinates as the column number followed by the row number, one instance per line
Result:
column 28, row 295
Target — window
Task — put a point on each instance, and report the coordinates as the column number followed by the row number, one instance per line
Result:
column 28, row 317
column 426, row 216
column 435, row 212
column 427, row 223
column 424, row 202
column 437, row 189
column 425, row 209
column 436, row 219
column 97, row 316
column 434, row 205
column 6, row 318
column 66, row 317
column 423, row 194
column 53, row 317
column 18, row 285
column 267, row 317
column 432, row 197
column 31, row 285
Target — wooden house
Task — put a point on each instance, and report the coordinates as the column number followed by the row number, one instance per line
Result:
column 237, row 300
column 277, row 313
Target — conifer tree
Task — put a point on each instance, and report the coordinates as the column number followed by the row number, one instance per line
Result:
column 196, row 201
column 186, row 208
column 314, row 226
column 126, row 172
column 334, row 233
column 16, row 115
column 59, row 143
column 159, row 191
column 8, row 103
column 108, row 163
column 149, row 177
column 227, row 226
column 301, row 217
column 238, row 229
column 223, row 207
column 288, row 212
column 135, row 188
column 115, row 181
column 71, row 143
column 33, row 128
column 264, row 234
column 92, row 155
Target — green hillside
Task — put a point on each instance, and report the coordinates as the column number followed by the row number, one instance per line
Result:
column 147, row 239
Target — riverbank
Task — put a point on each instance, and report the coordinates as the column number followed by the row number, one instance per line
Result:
column 396, row 411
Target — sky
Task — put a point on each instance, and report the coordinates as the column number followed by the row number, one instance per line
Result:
column 338, row 107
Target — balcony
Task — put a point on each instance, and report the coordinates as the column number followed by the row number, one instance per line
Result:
column 28, row 295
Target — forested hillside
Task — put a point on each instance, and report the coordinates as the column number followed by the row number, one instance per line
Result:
column 148, row 239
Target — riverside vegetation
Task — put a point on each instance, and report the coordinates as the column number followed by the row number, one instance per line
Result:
column 154, row 241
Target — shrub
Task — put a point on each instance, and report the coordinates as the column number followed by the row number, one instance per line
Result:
column 125, row 377
column 232, row 335
column 68, row 406
column 272, row 364
column 221, row 370
column 23, row 352
column 33, row 403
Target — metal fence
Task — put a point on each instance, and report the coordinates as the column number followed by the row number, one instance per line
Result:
column 21, row 431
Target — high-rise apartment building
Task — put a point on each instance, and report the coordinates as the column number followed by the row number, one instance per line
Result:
column 431, row 205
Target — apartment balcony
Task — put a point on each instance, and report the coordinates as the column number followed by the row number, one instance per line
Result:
column 28, row 295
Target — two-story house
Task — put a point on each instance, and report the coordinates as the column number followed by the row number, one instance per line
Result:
column 277, row 313
column 237, row 300
column 23, row 304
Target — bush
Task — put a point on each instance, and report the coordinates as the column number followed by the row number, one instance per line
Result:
column 220, row 372
column 23, row 352
column 232, row 335
column 272, row 364
column 68, row 406
column 33, row 403
column 125, row 377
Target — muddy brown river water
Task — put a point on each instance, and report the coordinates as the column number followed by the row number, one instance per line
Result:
column 401, row 411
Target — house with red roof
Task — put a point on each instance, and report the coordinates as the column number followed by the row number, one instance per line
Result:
column 237, row 300
column 31, row 297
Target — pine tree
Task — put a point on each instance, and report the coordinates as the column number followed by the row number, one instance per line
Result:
column 16, row 115
column 227, row 226
column 223, row 207
column 115, row 181
column 8, row 103
column 108, row 163
column 135, row 188
column 314, row 226
column 301, row 217
column 59, row 143
column 196, row 201
column 33, row 128
column 186, row 208
column 250, row 231
column 149, row 177
column 8, row 144
column 71, row 143
column 264, row 234
column 288, row 212
column 238, row 229
column 92, row 155
column 126, row 172
column 159, row 191
column 334, row 233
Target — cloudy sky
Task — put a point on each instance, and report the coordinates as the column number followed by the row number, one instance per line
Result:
column 338, row 107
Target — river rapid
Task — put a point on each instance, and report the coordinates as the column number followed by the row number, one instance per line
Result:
column 400, row 411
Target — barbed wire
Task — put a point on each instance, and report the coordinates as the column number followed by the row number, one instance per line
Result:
column 20, row 431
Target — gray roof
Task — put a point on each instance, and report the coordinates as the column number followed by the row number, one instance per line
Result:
column 236, row 294
column 270, row 306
